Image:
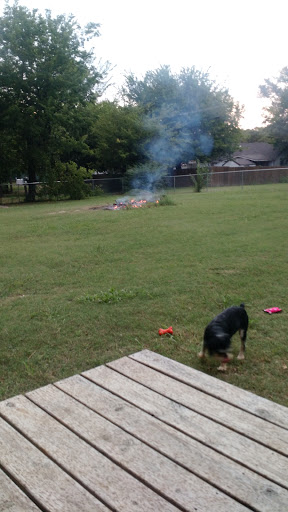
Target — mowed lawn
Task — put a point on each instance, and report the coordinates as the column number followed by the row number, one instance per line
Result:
column 83, row 286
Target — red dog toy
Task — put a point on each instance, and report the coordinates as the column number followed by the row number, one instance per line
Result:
column 165, row 331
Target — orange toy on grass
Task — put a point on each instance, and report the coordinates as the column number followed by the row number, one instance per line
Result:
column 165, row 331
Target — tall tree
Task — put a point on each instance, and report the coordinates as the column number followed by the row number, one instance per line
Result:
column 277, row 112
column 46, row 77
column 192, row 117
column 116, row 137
column 258, row 134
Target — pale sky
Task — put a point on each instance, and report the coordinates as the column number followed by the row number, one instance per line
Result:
column 240, row 42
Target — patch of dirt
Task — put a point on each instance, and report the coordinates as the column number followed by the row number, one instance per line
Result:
column 57, row 213
column 77, row 210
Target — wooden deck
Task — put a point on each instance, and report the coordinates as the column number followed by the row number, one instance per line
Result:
column 143, row 433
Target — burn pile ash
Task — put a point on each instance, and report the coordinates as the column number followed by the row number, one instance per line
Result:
column 133, row 202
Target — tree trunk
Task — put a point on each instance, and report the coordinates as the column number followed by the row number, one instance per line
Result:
column 30, row 190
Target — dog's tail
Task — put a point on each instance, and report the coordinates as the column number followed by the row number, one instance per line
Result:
column 242, row 305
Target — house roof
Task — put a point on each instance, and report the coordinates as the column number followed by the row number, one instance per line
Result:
column 243, row 162
column 250, row 154
column 256, row 152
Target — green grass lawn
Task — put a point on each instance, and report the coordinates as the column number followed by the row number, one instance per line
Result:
column 83, row 286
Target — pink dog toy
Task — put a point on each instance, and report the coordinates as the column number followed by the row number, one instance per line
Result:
column 272, row 310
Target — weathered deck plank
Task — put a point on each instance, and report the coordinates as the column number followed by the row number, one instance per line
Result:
column 245, row 485
column 12, row 499
column 140, row 434
column 43, row 480
column 240, row 448
column 171, row 480
column 240, row 421
column 270, row 411
column 117, row 489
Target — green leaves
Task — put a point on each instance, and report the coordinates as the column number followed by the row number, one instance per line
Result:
column 115, row 136
column 189, row 116
column 46, row 75
column 277, row 112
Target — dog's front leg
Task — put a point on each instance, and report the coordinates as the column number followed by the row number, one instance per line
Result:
column 202, row 353
column 241, row 354
column 224, row 361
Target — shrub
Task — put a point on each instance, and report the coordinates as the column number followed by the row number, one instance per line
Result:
column 200, row 179
column 72, row 180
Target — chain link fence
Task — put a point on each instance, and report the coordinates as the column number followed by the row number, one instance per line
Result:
column 217, row 177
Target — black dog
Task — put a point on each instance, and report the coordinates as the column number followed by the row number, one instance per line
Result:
column 218, row 334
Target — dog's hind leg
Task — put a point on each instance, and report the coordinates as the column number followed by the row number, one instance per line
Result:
column 241, row 354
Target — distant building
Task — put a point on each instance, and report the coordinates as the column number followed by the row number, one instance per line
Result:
column 252, row 154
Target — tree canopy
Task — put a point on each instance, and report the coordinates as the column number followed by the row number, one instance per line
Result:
column 277, row 113
column 258, row 134
column 190, row 116
column 46, row 77
column 53, row 122
column 116, row 137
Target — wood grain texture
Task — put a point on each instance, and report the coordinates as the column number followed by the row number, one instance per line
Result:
column 173, row 481
column 141, row 434
column 85, row 464
column 234, row 479
column 253, row 455
column 236, row 419
column 12, row 499
column 41, row 478
column 265, row 409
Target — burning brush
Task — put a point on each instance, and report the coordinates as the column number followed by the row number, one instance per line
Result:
column 131, row 202
column 144, row 200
